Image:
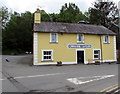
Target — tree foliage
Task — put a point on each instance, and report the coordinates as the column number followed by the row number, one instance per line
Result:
column 103, row 13
column 4, row 16
column 71, row 13
column 18, row 32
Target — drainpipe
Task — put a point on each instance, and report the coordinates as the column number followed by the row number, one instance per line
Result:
column 101, row 48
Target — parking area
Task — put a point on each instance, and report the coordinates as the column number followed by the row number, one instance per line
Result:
column 19, row 76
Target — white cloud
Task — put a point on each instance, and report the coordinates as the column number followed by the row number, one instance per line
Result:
column 50, row 6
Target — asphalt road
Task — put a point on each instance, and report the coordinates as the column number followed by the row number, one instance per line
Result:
column 19, row 76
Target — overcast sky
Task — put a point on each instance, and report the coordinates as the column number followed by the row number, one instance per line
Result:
column 50, row 6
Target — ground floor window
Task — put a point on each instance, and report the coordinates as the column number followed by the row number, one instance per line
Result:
column 47, row 55
column 96, row 54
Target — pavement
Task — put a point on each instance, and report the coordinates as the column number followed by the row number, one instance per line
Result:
column 19, row 76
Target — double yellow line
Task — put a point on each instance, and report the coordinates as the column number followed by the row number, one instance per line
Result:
column 110, row 89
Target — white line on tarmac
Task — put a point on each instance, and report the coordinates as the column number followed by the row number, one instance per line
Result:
column 35, row 76
column 3, row 79
column 78, row 80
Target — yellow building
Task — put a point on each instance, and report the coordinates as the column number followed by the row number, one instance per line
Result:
column 71, row 43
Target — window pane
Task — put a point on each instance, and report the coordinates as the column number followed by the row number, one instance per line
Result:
column 96, row 56
column 45, row 53
column 80, row 37
column 49, row 57
column 49, row 53
column 53, row 36
column 96, row 52
column 45, row 57
column 106, row 39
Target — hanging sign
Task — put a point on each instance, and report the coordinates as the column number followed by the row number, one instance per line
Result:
column 79, row 46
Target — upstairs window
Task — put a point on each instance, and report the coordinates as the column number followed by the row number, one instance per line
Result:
column 47, row 55
column 96, row 54
column 80, row 38
column 106, row 39
column 53, row 37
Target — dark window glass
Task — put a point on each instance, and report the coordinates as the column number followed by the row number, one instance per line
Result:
column 96, row 54
column 47, row 55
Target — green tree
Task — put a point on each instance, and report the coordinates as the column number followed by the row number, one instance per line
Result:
column 71, row 13
column 44, row 16
column 103, row 13
column 52, row 17
column 18, row 33
column 4, row 16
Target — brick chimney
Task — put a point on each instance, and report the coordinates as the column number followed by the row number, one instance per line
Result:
column 37, row 16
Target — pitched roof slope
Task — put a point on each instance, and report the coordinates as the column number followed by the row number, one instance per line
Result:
column 57, row 27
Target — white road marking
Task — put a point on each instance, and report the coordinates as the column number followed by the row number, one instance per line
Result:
column 2, row 79
column 35, row 76
column 78, row 80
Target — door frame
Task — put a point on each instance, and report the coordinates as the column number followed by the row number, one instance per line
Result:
column 84, row 55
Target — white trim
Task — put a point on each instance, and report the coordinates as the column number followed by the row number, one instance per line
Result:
column 54, row 63
column 56, row 37
column 84, row 55
column 51, row 55
column 115, row 56
column 93, row 54
column 108, row 39
column 104, row 61
column 78, row 38
column 109, row 60
column 35, row 47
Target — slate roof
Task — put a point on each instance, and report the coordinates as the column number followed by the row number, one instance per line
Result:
column 58, row 27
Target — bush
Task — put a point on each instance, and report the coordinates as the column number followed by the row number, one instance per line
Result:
column 12, row 52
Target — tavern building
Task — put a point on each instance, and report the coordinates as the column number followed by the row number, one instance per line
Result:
column 71, row 43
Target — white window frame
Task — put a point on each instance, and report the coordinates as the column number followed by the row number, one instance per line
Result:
column 97, row 54
column 78, row 38
column 108, row 41
column 47, row 55
column 51, row 38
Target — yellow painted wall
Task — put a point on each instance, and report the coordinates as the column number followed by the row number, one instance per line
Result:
column 61, row 52
column 108, row 49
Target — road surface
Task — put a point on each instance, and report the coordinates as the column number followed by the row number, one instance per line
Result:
column 19, row 76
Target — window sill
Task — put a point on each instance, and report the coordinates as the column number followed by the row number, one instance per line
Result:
column 96, row 59
column 80, row 42
column 106, row 43
column 46, row 60
column 53, row 42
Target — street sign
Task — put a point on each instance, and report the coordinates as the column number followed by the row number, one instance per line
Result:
column 79, row 46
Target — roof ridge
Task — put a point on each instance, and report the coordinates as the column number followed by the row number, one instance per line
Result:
column 71, row 23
